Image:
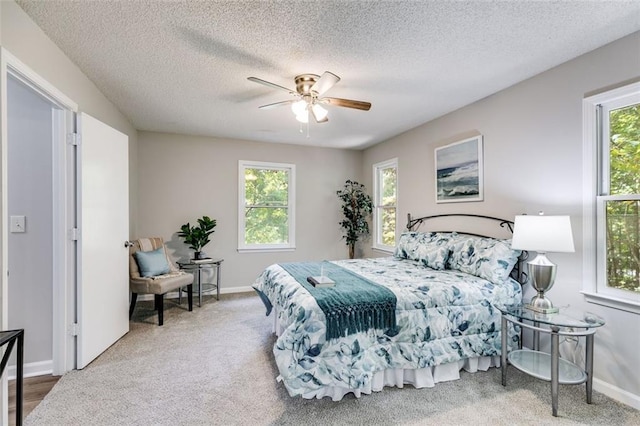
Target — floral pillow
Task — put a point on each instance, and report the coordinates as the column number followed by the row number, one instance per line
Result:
column 430, row 248
column 488, row 258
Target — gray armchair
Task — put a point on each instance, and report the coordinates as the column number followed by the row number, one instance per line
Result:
column 153, row 272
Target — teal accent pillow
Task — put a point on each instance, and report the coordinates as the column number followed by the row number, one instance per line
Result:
column 152, row 263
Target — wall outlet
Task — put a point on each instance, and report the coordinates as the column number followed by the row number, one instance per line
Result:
column 17, row 224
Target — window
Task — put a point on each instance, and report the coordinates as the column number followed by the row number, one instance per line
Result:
column 266, row 214
column 385, row 178
column 612, row 205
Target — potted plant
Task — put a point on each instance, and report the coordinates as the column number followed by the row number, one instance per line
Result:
column 197, row 236
column 356, row 208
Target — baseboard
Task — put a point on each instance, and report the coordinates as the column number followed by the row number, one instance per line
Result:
column 231, row 290
column 174, row 294
column 40, row 368
column 616, row 393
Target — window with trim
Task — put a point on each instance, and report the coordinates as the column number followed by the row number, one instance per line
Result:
column 385, row 178
column 614, row 123
column 266, row 214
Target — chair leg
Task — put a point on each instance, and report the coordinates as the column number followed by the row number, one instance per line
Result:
column 134, row 298
column 190, row 296
column 159, row 301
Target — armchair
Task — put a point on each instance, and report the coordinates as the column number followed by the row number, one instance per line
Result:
column 152, row 272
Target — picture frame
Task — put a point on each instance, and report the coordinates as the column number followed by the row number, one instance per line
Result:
column 459, row 171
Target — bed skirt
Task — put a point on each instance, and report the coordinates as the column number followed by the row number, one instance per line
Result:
column 398, row 377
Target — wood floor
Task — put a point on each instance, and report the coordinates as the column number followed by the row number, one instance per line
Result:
column 35, row 389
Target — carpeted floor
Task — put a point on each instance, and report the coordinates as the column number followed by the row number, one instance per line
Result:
column 215, row 366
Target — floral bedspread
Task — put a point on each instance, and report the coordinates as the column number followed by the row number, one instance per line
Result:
column 441, row 317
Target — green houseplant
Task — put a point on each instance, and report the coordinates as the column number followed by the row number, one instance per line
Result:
column 197, row 236
column 356, row 208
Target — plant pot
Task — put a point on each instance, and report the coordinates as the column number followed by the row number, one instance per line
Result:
column 197, row 255
column 352, row 251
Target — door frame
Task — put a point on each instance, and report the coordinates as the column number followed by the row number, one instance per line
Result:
column 63, row 351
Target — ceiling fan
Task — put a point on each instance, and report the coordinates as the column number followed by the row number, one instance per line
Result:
column 308, row 98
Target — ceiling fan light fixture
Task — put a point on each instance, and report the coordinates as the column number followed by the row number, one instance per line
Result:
column 309, row 95
column 319, row 112
column 299, row 107
column 303, row 117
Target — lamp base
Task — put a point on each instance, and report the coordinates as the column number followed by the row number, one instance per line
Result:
column 542, row 310
column 541, row 304
column 543, row 274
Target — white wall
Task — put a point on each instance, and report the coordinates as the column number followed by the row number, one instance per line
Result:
column 182, row 178
column 30, row 194
column 532, row 161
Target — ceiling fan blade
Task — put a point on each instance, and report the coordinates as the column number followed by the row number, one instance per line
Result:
column 272, row 85
column 315, row 117
column 277, row 104
column 326, row 82
column 348, row 103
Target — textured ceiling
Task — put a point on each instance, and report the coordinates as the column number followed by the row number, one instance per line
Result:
column 182, row 66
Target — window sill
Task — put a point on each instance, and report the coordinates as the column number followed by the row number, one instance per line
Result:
column 389, row 250
column 612, row 302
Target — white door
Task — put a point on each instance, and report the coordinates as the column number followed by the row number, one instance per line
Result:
column 103, row 223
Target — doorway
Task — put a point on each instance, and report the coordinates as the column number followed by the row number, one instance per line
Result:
column 36, row 248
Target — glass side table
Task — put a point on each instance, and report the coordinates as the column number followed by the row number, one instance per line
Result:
column 550, row 367
column 196, row 267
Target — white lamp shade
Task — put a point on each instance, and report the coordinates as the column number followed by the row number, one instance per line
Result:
column 303, row 117
column 544, row 234
column 299, row 107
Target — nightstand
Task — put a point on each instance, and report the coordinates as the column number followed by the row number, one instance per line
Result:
column 196, row 267
column 550, row 367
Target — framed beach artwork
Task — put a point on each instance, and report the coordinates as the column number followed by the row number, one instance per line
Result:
column 459, row 171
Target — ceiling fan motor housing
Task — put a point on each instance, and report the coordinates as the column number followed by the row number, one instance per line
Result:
column 304, row 82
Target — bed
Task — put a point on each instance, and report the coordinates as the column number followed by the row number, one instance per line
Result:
column 417, row 317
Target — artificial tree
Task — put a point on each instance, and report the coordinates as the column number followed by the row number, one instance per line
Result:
column 356, row 208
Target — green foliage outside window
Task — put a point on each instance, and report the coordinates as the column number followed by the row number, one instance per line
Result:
column 388, row 204
column 266, row 206
column 623, row 216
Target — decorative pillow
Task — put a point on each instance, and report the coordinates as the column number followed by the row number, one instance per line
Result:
column 488, row 258
column 430, row 248
column 461, row 255
column 405, row 246
column 152, row 263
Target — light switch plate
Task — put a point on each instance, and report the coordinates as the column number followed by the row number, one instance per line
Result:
column 17, row 224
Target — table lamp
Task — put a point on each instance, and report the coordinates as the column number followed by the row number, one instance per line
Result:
column 543, row 234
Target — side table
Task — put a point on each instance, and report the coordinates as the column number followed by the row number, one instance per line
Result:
column 550, row 367
column 9, row 338
column 196, row 267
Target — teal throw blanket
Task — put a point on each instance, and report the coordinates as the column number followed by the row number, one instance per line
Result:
column 354, row 304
